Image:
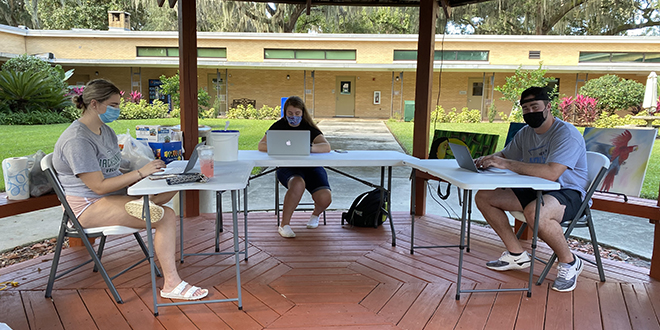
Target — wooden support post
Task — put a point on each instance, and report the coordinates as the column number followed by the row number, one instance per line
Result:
column 428, row 13
column 188, row 88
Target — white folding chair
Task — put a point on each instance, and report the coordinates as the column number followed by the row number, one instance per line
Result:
column 70, row 227
column 597, row 165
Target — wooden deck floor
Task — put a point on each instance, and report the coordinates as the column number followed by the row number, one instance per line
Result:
column 330, row 278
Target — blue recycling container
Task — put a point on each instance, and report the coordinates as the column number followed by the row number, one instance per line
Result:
column 282, row 106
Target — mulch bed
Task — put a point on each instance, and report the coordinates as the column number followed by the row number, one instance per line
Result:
column 31, row 251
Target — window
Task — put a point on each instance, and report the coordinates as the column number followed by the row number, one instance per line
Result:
column 174, row 52
column 447, row 55
column 534, row 54
column 212, row 52
column 309, row 54
column 620, row 57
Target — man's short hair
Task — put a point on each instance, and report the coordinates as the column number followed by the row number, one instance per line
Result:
column 538, row 93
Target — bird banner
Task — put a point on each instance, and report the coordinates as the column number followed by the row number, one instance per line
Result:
column 629, row 150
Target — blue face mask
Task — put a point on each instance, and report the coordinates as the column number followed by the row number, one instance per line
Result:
column 111, row 114
column 294, row 120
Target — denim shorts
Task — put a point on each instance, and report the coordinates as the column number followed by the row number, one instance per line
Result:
column 315, row 178
column 567, row 197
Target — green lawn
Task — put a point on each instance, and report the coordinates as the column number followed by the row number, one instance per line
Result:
column 25, row 140
column 404, row 133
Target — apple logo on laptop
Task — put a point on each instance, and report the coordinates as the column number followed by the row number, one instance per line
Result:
column 288, row 142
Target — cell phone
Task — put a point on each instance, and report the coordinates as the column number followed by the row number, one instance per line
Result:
column 341, row 151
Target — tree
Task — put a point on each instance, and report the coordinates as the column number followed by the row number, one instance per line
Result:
column 520, row 81
column 69, row 14
column 350, row 19
column 15, row 12
column 579, row 17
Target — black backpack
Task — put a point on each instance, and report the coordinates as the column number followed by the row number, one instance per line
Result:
column 365, row 211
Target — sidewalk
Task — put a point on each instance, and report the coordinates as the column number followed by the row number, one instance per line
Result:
column 630, row 234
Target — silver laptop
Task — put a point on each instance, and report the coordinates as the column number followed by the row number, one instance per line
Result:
column 179, row 168
column 464, row 159
column 287, row 143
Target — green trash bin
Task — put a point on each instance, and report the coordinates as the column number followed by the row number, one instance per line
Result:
column 408, row 110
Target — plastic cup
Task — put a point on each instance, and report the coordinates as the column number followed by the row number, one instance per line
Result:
column 206, row 160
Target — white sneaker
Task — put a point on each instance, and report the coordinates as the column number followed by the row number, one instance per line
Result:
column 567, row 275
column 313, row 222
column 286, row 231
column 508, row 261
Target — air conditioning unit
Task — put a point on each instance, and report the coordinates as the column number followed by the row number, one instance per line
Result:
column 45, row 56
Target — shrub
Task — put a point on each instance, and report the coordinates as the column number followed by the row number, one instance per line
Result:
column 210, row 113
column 33, row 64
column 438, row 115
column 492, row 112
column 32, row 118
column 610, row 121
column 175, row 113
column 143, row 110
column 250, row 112
column 71, row 113
column 31, row 91
column 465, row 116
column 614, row 94
column 135, row 97
column 581, row 110
column 468, row 116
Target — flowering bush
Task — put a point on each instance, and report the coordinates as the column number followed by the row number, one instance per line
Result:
column 135, row 97
column 581, row 110
column 75, row 91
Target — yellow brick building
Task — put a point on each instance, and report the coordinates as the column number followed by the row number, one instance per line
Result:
column 364, row 76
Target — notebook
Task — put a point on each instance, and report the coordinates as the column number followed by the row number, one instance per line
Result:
column 464, row 159
column 287, row 143
column 181, row 167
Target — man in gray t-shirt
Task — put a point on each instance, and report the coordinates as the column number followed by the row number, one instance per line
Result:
column 548, row 148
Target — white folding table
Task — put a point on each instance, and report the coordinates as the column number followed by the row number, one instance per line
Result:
column 350, row 158
column 448, row 170
column 231, row 176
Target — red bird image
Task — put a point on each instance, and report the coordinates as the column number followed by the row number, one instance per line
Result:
column 618, row 154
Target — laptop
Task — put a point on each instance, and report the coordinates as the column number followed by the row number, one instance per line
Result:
column 464, row 159
column 181, row 167
column 287, row 143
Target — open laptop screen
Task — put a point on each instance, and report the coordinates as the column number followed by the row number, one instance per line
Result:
column 287, row 143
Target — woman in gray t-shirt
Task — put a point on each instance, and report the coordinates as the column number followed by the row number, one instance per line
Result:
column 87, row 158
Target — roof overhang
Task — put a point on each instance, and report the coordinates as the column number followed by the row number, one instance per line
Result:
column 633, row 68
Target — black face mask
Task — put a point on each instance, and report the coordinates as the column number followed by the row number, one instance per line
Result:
column 535, row 119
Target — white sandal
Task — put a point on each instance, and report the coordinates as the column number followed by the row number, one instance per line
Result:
column 176, row 293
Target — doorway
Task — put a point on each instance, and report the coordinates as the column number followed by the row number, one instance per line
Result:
column 475, row 94
column 345, row 97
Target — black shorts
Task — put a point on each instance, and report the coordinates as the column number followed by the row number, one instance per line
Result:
column 567, row 197
column 315, row 178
